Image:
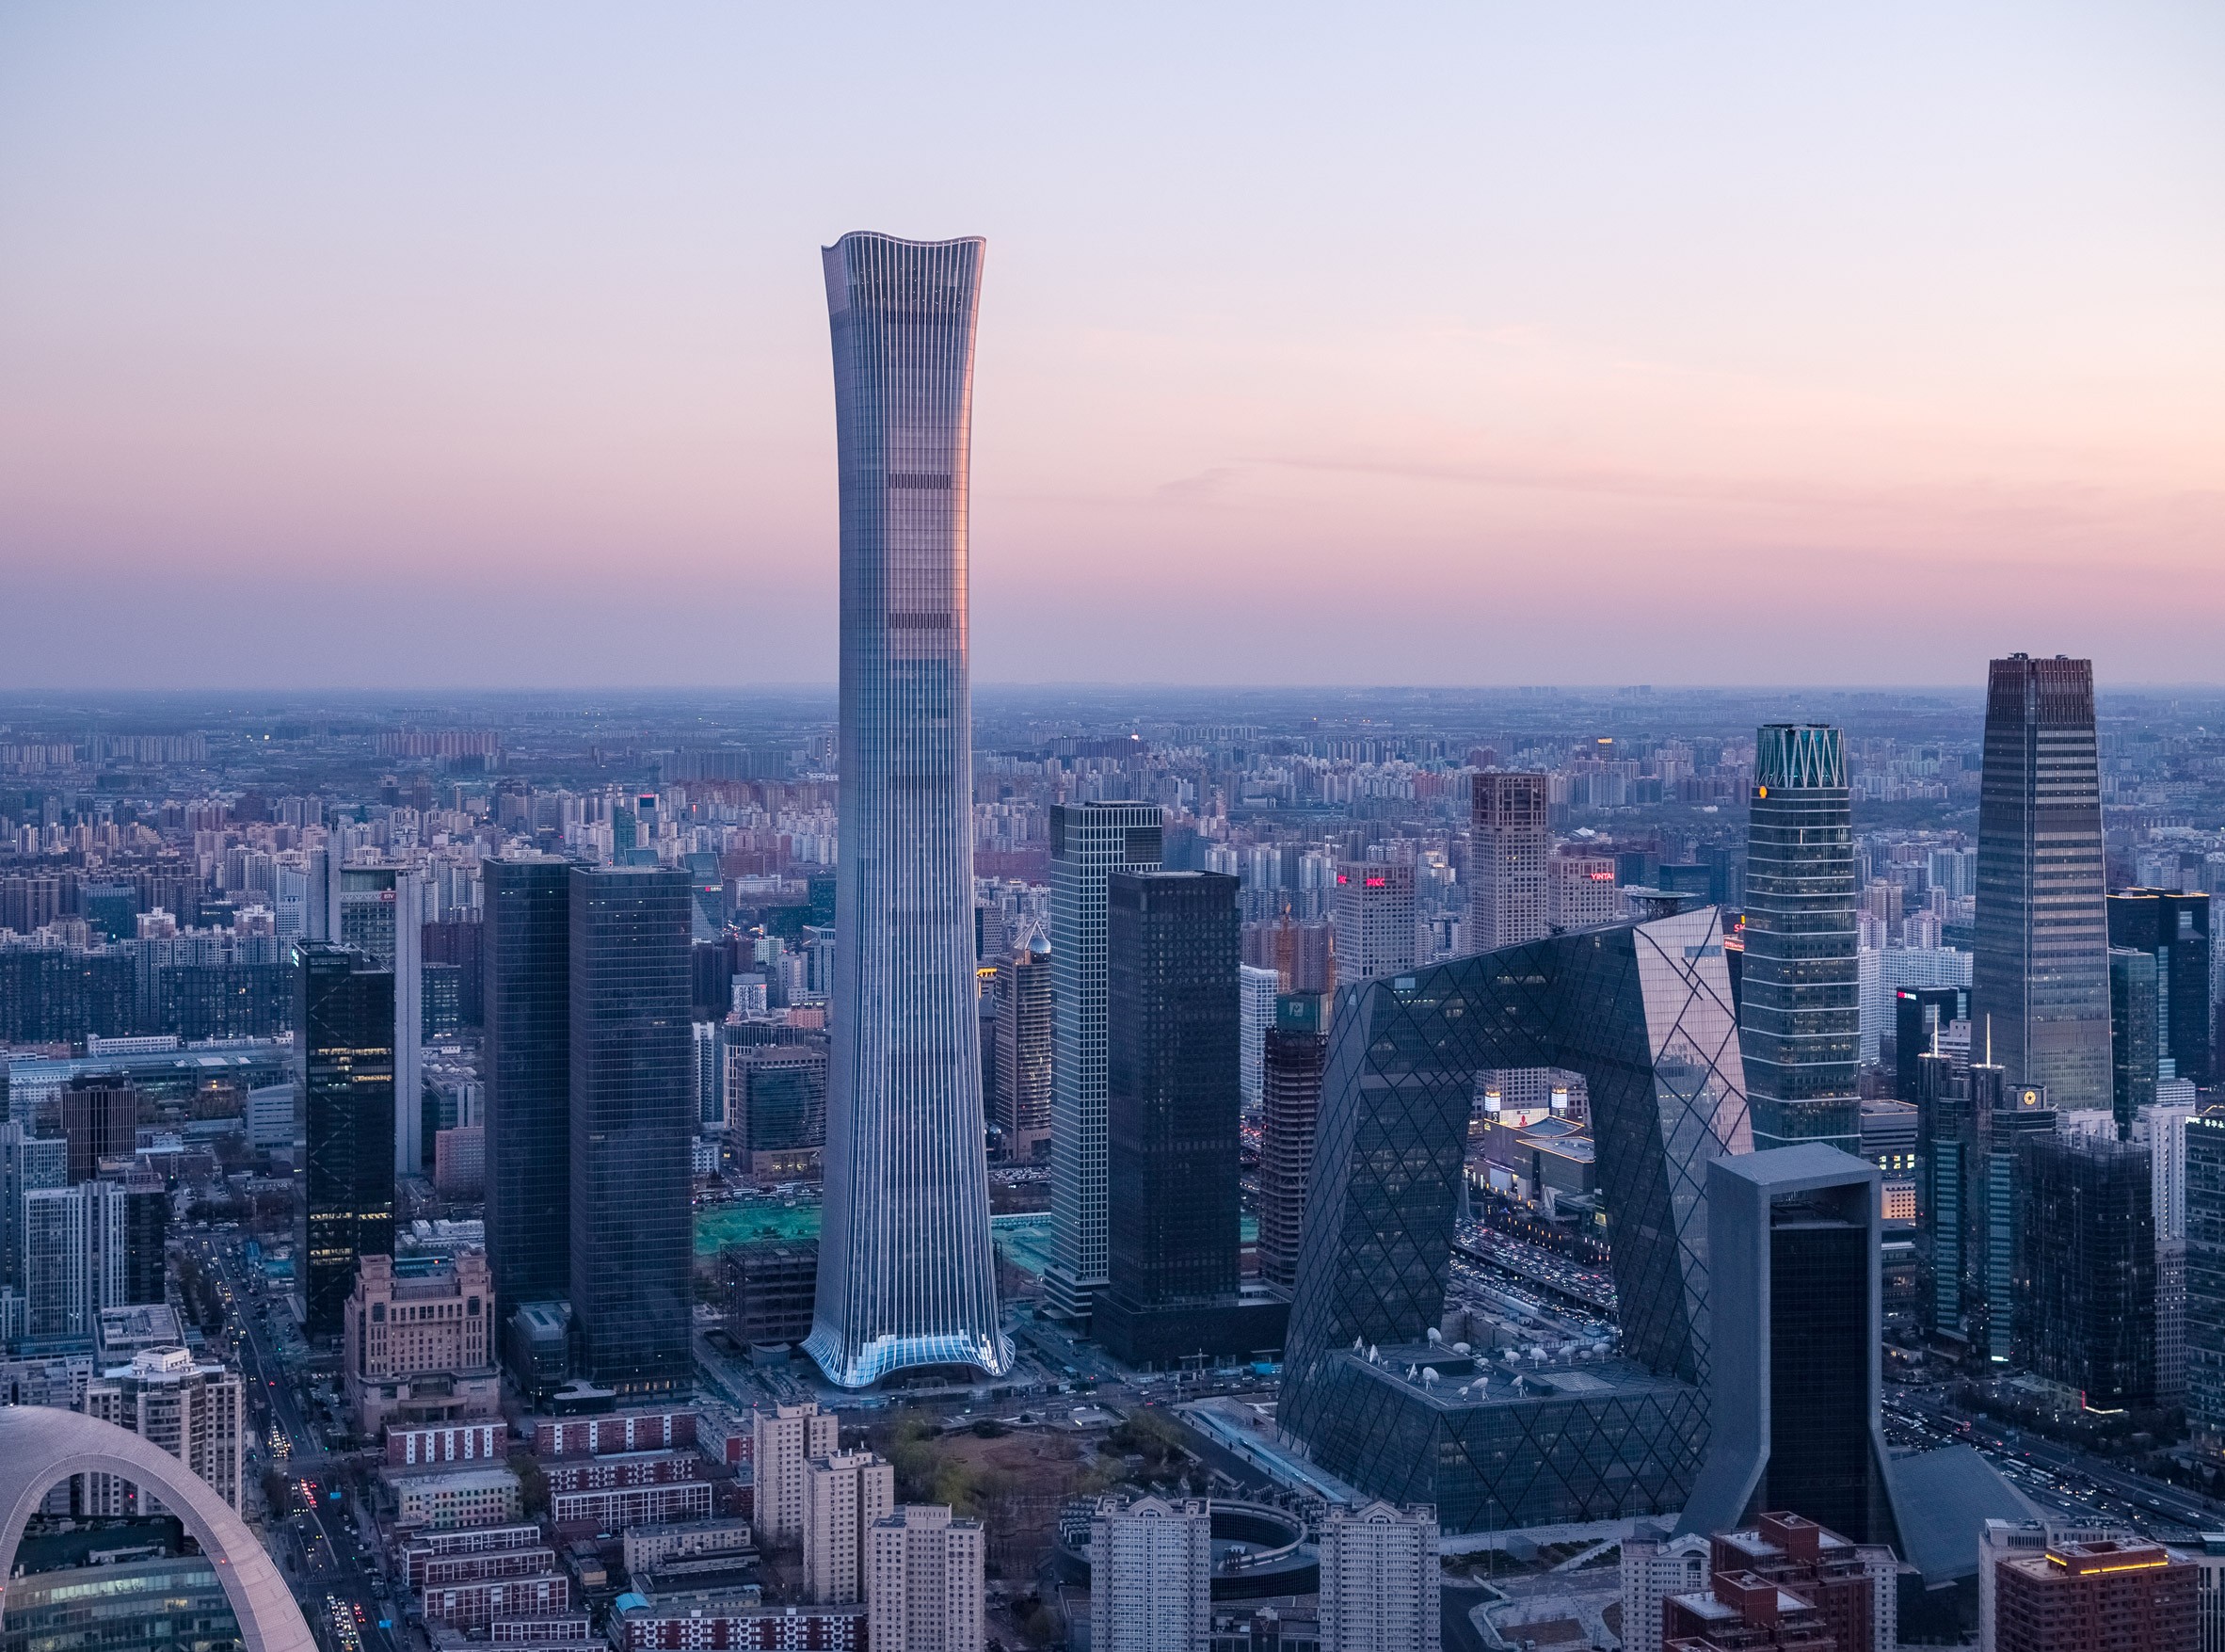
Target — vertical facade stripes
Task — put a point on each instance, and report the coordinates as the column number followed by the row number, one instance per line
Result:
column 2039, row 981
column 906, row 1272
column 1089, row 842
column 344, row 1023
column 1800, row 1000
column 528, row 986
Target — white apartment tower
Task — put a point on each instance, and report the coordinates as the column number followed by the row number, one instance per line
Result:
column 924, row 1581
column 1507, row 860
column 843, row 1495
column 1653, row 1569
column 1256, row 988
column 1380, row 1579
column 1150, row 1575
column 192, row 1409
column 782, row 1441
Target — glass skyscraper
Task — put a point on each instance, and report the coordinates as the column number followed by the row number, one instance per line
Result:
column 528, row 1071
column 906, row 1276
column 1800, row 1003
column 632, row 1117
column 2040, row 982
column 344, row 1034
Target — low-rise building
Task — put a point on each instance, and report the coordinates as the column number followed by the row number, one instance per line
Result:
column 468, row 1442
column 475, row 1605
column 638, row 1627
column 614, row 1432
column 651, row 1547
column 637, row 1505
column 608, row 1474
column 2128, row 1596
column 472, row 1497
column 419, row 1553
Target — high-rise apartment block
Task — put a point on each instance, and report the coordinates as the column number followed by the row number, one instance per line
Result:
column 1848, row 1590
column 1255, row 991
column 1507, row 860
column 343, row 1039
column 1025, row 1036
column 93, row 1246
column 906, row 1275
column 1151, row 1575
column 26, row 1162
column 632, row 1109
column 1294, row 1057
column 2040, row 985
column 1089, row 841
column 1652, row 1570
column 192, row 1409
column 783, row 1441
column 1380, row 1579
column 527, row 953
column 1375, row 919
column 924, row 1577
column 844, row 1494
column 1799, row 1005
column 2174, row 930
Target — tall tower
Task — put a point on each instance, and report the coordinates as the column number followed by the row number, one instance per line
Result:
column 528, row 1074
column 1375, row 933
column 1801, row 1007
column 2040, row 977
column 380, row 910
column 1507, row 864
column 343, row 1038
column 1089, row 842
column 906, row 1274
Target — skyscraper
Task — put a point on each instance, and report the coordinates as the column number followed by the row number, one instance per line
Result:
column 1150, row 1575
column 344, row 1036
column 2131, row 1033
column 1799, row 1007
column 906, row 1272
column 1507, row 904
column 2205, row 1277
column 1375, row 922
column 528, row 1057
column 2040, row 976
column 1295, row 1057
column 1381, row 1579
column 2086, row 1306
column 1089, row 841
column 2174, row 929
column 380, row 910
column 631, row 1115
column 1256, row 988
column 1023, row 1034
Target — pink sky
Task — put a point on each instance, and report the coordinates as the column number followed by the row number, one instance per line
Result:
column 417, row 345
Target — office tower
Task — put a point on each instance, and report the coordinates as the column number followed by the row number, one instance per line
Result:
column 633, row 1113
column 1375, row 919
column 1996, row 1121
column 1255, row 989
column 906, row 1272
column 1582, row 892
column 1089, row 841
column 1024, row 1034
column 1799, row 1007
column 99, row 1121
column 528, row 1074
column 2040, row 977
column 2076, row 1597
column 844, row 1492
column 1150, row 1575
column 343, row 1039
column 192, row 1409
column 1943, row 1105
column 419, row 1347
column 1794, row 1291
column 1380, row 1579
column 380, row 910
column 1920, row 1015
column 1654, row 1569
column 1507, row 860
column 2174, row 930
column 1294, row 1056
column 2085, row 1319
column 2131, row 1033
column 776, row 1106
column 924, row 1588
column 96, row 1245
column 26, row 1162
column 711, row 1073
column 782, row 1443
column 1174, row 1129
column 2205, row 1277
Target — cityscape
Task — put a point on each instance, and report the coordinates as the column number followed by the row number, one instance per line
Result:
column 774, row 1129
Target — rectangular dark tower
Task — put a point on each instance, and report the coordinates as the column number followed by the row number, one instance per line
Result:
column 527, row 960
column 633, row 1113
column 2174, row 929
column 1295, row 1061
column 2085, row 1316
column 2039, row 981
column 344, row 1034
column 1799, row 1005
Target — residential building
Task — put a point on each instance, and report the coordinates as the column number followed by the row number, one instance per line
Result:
column 1800, row 1004
column 2040, row 990
column 844, row 1494
column 1150, row 1575
column 631, row 1120
column 1654, row 1569
column 1510, row 846
column 1376, row 933
column 1854, row 1587
column 1380, row 1579
column 1025, row 1035
column 906, row 1274
column 1256, row 993
column 2000, row 1540
column 527, row 1067
column 1293, row 1057
column 93, row 1246
column 2075, row 1596
column 784, row 1440
column 924, row 1582
column 418, row 1349
column 1089, row 841
column 2087, row 1308
column 192, row 1409
column 26, row 1162
column 463, row 1497
column 344, row 1036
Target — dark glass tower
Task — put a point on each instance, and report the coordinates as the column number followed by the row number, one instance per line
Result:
column 344, row 1036
column 1294, row 1061
column 1173, row 1109
column 2085, row 1315
column 2205, row 1278
column 527, row 952
column 632, row 1111
column 1800, row 998
column 2174, row 929
column 2132, row 1034
column 2040, row 982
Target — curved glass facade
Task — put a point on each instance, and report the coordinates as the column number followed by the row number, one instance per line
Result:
column 906, row 1276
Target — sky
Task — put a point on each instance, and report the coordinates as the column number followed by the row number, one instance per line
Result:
column 422, row 345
